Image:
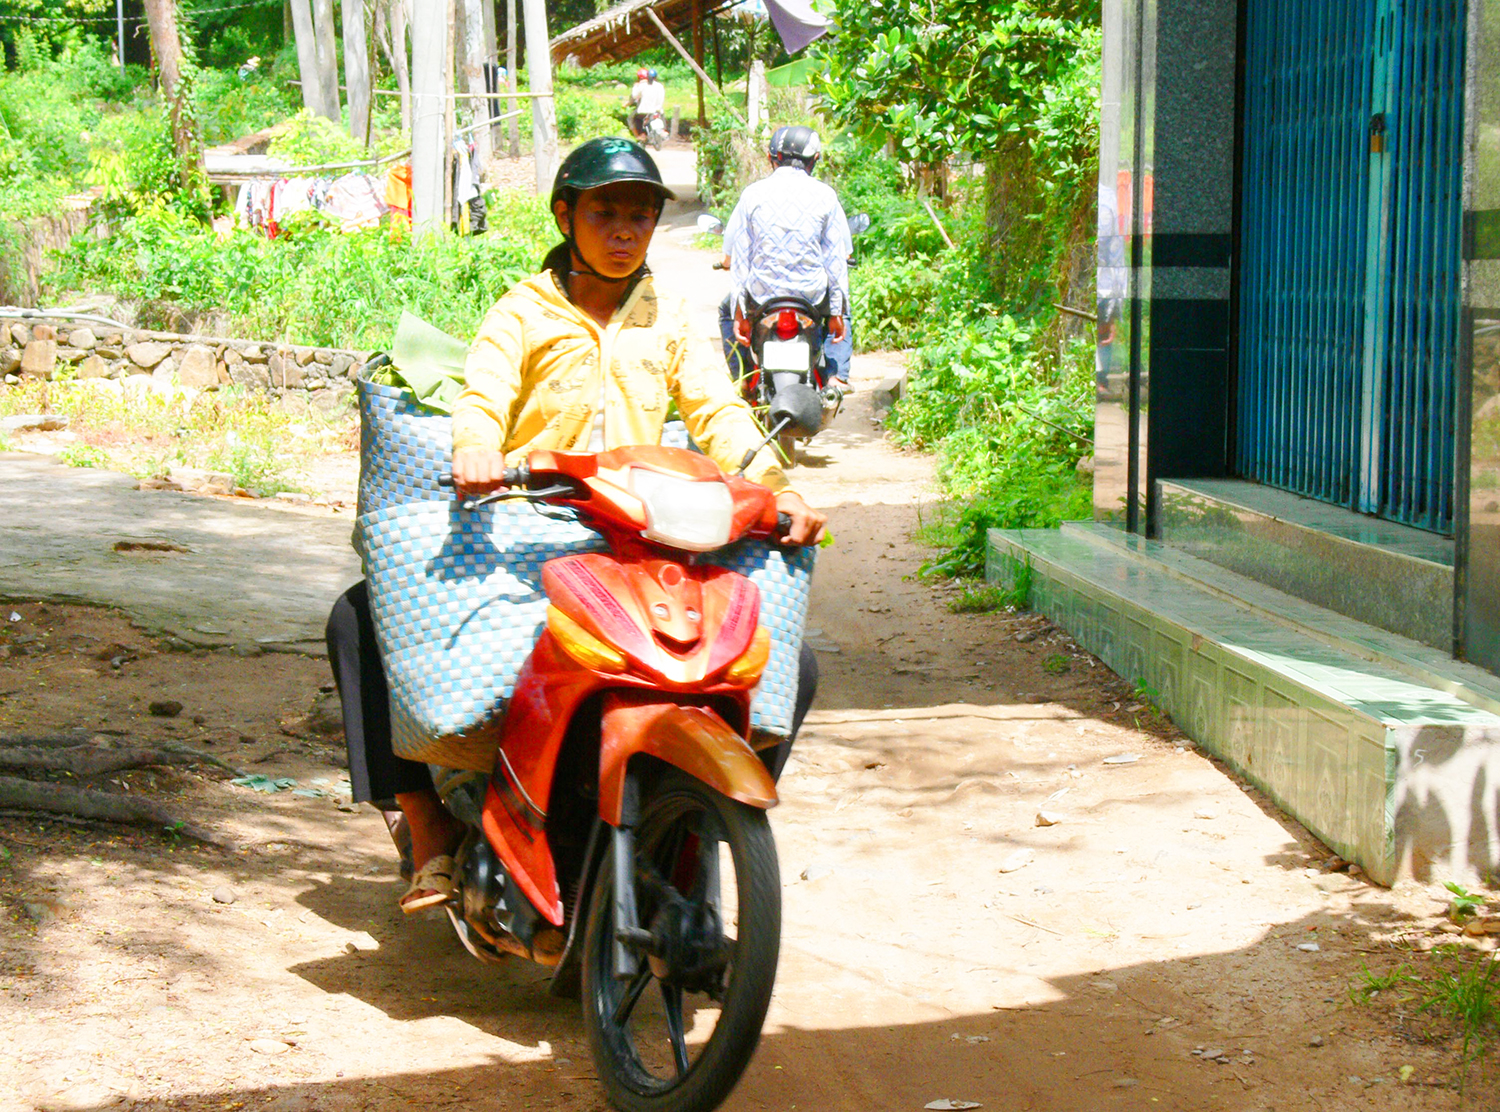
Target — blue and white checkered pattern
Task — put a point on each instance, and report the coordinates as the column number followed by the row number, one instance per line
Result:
column 458, row 604
column 403, row 448
column 457, row 598
column 784, row 576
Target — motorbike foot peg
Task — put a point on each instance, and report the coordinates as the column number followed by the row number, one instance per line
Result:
column 634, row 937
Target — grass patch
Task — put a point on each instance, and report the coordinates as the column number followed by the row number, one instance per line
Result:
column 985, row 599
column 240, row 432
column 1057, row 664
column 1456, row 996
column 979, row 597
column 85, row 455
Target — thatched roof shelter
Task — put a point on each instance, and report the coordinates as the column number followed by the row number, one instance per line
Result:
column 626, row 30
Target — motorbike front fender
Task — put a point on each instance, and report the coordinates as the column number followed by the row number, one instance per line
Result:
column 697, row 741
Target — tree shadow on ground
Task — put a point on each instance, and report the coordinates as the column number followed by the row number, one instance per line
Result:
column 1120, row 1036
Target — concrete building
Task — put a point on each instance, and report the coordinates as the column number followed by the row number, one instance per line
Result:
column 1296, row 541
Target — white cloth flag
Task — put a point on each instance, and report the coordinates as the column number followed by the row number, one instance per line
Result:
column 795, row 22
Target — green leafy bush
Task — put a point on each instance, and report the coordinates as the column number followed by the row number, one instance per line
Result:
column 1009, row 426
column 724, row 160
column 891, row 298
column 309, row 140
column 580, row 116
column 101, row 77
column 315, row 285
column 230, row 106
column 84, row 455
column 136, row 167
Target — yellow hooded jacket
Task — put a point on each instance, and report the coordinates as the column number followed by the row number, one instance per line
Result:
column 533, row 380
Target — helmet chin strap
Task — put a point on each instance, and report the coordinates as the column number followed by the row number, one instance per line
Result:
column 577, row 264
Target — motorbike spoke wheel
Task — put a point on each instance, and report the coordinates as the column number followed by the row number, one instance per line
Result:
column 708, row 889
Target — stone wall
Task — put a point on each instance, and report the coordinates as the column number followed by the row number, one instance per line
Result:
column 130, row 361
column 31, row 243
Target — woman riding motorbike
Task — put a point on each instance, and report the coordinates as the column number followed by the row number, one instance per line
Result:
column 585, row 357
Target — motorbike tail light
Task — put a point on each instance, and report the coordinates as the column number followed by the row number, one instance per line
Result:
column 786, row 324
column 752, row 661
column 582, row 645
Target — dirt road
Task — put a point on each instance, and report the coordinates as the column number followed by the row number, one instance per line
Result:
column 1170, row 941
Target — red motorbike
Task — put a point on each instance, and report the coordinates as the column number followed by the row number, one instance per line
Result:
column 622, row 838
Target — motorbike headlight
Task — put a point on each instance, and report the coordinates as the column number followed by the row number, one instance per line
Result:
column 692, row 514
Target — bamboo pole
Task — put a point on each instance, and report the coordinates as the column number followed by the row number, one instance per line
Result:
column 688, row 58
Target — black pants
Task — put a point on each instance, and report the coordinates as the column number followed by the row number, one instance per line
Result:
column 376, row 774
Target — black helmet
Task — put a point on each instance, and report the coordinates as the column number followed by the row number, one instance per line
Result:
column 795, row 144
column 603, row 161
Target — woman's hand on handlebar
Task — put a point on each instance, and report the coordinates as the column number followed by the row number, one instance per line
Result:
column 477, row 472
column 807, row 523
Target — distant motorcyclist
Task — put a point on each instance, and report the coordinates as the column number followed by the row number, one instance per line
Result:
column 648, row 96
column 788, row 236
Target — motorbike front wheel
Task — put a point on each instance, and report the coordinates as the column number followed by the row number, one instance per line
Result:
column 677, row 1032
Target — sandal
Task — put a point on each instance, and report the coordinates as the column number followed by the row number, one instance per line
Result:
column 433, row 885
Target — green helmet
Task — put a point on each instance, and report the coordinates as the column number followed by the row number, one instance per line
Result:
column 605, row 160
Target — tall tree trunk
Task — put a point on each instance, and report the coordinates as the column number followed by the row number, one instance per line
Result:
column 491, row 58
column 391, row 25
column 357, row 68
column 543, row 111
column 697, row 13
column 314, row 97
column 510, row 74
column 429, row 40
column 471, row 20
column 161, row 16
column 326, row 37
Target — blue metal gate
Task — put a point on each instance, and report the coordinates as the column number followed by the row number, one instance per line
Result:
column 1351, row 212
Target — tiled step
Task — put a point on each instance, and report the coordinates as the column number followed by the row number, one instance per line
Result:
column 1420, row 663
column 1375, row 571
column 1363, row 739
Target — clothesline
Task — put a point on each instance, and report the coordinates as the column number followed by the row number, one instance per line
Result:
column 500, row 94
column 225, row 173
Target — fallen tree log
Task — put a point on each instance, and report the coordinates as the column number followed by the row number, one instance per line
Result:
column 33, row 795
column 89, row 760
column 76, row 753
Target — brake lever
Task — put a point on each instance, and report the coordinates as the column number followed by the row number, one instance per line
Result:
column 509, row 494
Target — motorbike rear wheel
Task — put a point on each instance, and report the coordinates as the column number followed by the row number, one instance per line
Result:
column 714, row 945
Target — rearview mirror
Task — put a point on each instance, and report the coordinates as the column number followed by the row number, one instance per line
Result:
column 710, row 225
column 859, row 223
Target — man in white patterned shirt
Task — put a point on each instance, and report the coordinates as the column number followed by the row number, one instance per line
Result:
column 789, row 236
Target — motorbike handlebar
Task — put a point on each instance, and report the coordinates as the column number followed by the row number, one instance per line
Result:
column 511, row 477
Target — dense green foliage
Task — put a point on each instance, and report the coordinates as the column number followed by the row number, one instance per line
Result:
column 1000, row 385
column 314, row 285
column 939, row 78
